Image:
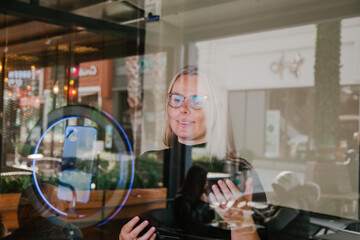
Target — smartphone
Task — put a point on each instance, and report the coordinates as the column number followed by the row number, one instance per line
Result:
column 77, row 163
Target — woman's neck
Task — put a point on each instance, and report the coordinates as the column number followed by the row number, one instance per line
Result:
column 191, row 142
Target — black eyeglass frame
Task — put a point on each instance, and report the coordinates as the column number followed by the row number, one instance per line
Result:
column 190, row 103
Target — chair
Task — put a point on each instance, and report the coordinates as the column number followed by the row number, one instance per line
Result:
column 334, row 180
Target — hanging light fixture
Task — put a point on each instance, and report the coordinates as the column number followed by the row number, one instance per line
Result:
column 56, row 88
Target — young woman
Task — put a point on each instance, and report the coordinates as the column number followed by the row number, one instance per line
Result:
column 192, row 119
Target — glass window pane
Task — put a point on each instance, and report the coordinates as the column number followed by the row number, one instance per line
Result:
column 265, row 121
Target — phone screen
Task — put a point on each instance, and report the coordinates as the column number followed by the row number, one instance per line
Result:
column 77, row 163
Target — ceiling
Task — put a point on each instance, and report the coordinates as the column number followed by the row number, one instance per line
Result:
column 97, row 29
column 204, row 20
column 72, row 36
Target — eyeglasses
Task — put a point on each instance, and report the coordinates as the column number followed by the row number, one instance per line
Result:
column 175, row 100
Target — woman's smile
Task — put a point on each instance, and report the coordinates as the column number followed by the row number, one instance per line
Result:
column 185, row 123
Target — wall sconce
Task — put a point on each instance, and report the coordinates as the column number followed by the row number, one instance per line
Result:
column 293, row 66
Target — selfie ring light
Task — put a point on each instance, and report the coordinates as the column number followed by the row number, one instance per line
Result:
column 83, row 112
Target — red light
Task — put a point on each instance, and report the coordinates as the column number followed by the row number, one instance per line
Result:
column 73, row 92
column 74, row 71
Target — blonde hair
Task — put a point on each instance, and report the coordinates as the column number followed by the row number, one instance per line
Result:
column 212, row 126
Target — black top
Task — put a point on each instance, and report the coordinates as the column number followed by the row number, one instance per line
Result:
column 188, row 214
column 194, row 217
column 179, row 157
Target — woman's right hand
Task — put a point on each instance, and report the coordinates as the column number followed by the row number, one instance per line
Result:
column 128, row 233
column 228, row 204
column 227, row 200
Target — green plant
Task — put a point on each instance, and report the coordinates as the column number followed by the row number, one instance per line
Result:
column 106, row 180
column 138, row 181
column 211, row 166
column 15, row 184
column 148, row 172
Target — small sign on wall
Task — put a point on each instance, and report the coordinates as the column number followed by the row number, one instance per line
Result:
column 272, row 135
column 108, row 136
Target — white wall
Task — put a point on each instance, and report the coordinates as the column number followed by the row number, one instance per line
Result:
column 244, row 61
